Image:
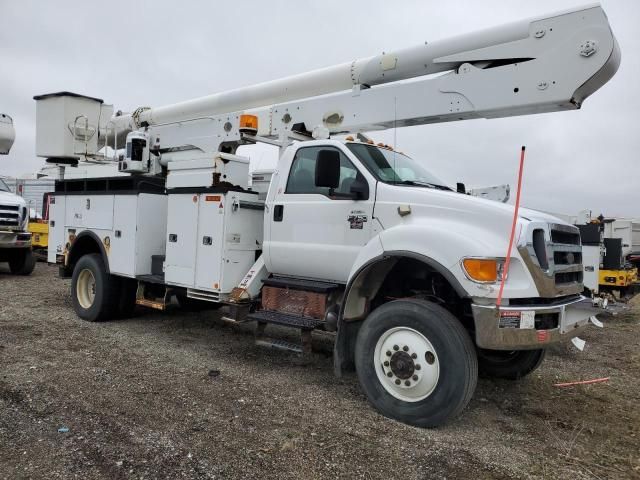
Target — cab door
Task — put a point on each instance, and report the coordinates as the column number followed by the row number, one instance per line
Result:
column 315, row 231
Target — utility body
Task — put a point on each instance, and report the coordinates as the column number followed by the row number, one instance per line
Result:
column 346, row 236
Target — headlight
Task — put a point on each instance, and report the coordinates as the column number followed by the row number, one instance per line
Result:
column 483, row 270
column 24, row 214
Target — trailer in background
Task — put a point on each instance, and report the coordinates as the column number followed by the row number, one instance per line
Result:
column 33, row 191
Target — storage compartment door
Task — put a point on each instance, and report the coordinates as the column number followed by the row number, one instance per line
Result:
column 56, row 227
column 182, row 224
column 123, row 241
column 152, row 230
column 209, row 242
column 98, row 212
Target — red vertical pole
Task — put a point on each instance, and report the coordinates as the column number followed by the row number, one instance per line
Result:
column 513, row 229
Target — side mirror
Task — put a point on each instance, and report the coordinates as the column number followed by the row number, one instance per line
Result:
column 460, row 188
column 328, row 169
column 360, row 188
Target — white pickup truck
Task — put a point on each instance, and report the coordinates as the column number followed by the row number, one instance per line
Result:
column 15, row 239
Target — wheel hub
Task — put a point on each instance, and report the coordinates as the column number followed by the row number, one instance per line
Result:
column 86, row 288
column 407, row 364
column 402, row 365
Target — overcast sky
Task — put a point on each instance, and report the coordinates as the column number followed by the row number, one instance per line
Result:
column 133, row 53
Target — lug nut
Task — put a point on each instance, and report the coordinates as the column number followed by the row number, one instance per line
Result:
column 388, row 353
column 407, row 383
column 417, row 367
column 397, row 381
column 405, row 348
column 396, row 348
column 414, row 356
column 389, row 374
column 386, row 364
column 415, row 378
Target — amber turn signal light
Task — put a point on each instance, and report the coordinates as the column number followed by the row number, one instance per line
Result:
column 481, row 269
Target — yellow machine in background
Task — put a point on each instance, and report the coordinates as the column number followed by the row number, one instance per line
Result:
column 618, row 278
column 39, row 238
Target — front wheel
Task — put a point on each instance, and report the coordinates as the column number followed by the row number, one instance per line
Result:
column 511, row 365
column 416, row 362
column 94, row 292
column 22, row 263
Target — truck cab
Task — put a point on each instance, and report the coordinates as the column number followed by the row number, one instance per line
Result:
column 395, row 239
column 335, row 206
column 15, row 240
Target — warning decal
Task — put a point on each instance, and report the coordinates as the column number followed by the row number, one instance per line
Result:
column 517, row 319
column 509, row 319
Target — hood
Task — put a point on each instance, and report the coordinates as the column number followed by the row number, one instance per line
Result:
column 487, row 222
column 449, row 201
column 9, row 198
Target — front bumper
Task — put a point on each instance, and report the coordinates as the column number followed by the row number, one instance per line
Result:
column 522, row 327
column 10, row 239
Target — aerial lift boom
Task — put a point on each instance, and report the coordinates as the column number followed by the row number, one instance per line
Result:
column 544, row 64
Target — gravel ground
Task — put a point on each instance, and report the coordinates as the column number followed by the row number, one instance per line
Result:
column 142, row 398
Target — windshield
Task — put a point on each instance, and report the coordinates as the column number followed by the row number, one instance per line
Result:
column 394, row 167
column 3, row 186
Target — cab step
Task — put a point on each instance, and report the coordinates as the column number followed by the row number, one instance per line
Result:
column 285, row 319
column 304, row 324
column 279, row 344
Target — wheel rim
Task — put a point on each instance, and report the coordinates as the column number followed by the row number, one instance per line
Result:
column 406, row 364
column 86, row 288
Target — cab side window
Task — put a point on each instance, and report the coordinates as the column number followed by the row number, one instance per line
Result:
column 302, row 174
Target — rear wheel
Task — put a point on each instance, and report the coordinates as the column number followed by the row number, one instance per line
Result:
column 94, row 292
column 416, row 363
column 22, row 262
column 511, row 365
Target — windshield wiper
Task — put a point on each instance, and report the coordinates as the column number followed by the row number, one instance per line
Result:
column 418, row 183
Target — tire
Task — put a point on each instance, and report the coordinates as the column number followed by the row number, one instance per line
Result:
column 126, row 302
column 94, row 292
column 510, row 365
column 445, row 362
column 23, row 263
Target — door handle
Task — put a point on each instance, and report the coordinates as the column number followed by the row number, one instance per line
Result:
column 278, row 213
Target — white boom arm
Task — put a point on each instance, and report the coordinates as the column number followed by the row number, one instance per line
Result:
column 548, row 63
column 7, row 134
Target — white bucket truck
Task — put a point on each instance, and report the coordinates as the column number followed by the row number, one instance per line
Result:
column 353, row 238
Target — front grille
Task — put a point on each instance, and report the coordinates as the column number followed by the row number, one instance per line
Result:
column 9, row 215
column 567, row 258
column 555, row 251
column 562, row 236
column 568, row 277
